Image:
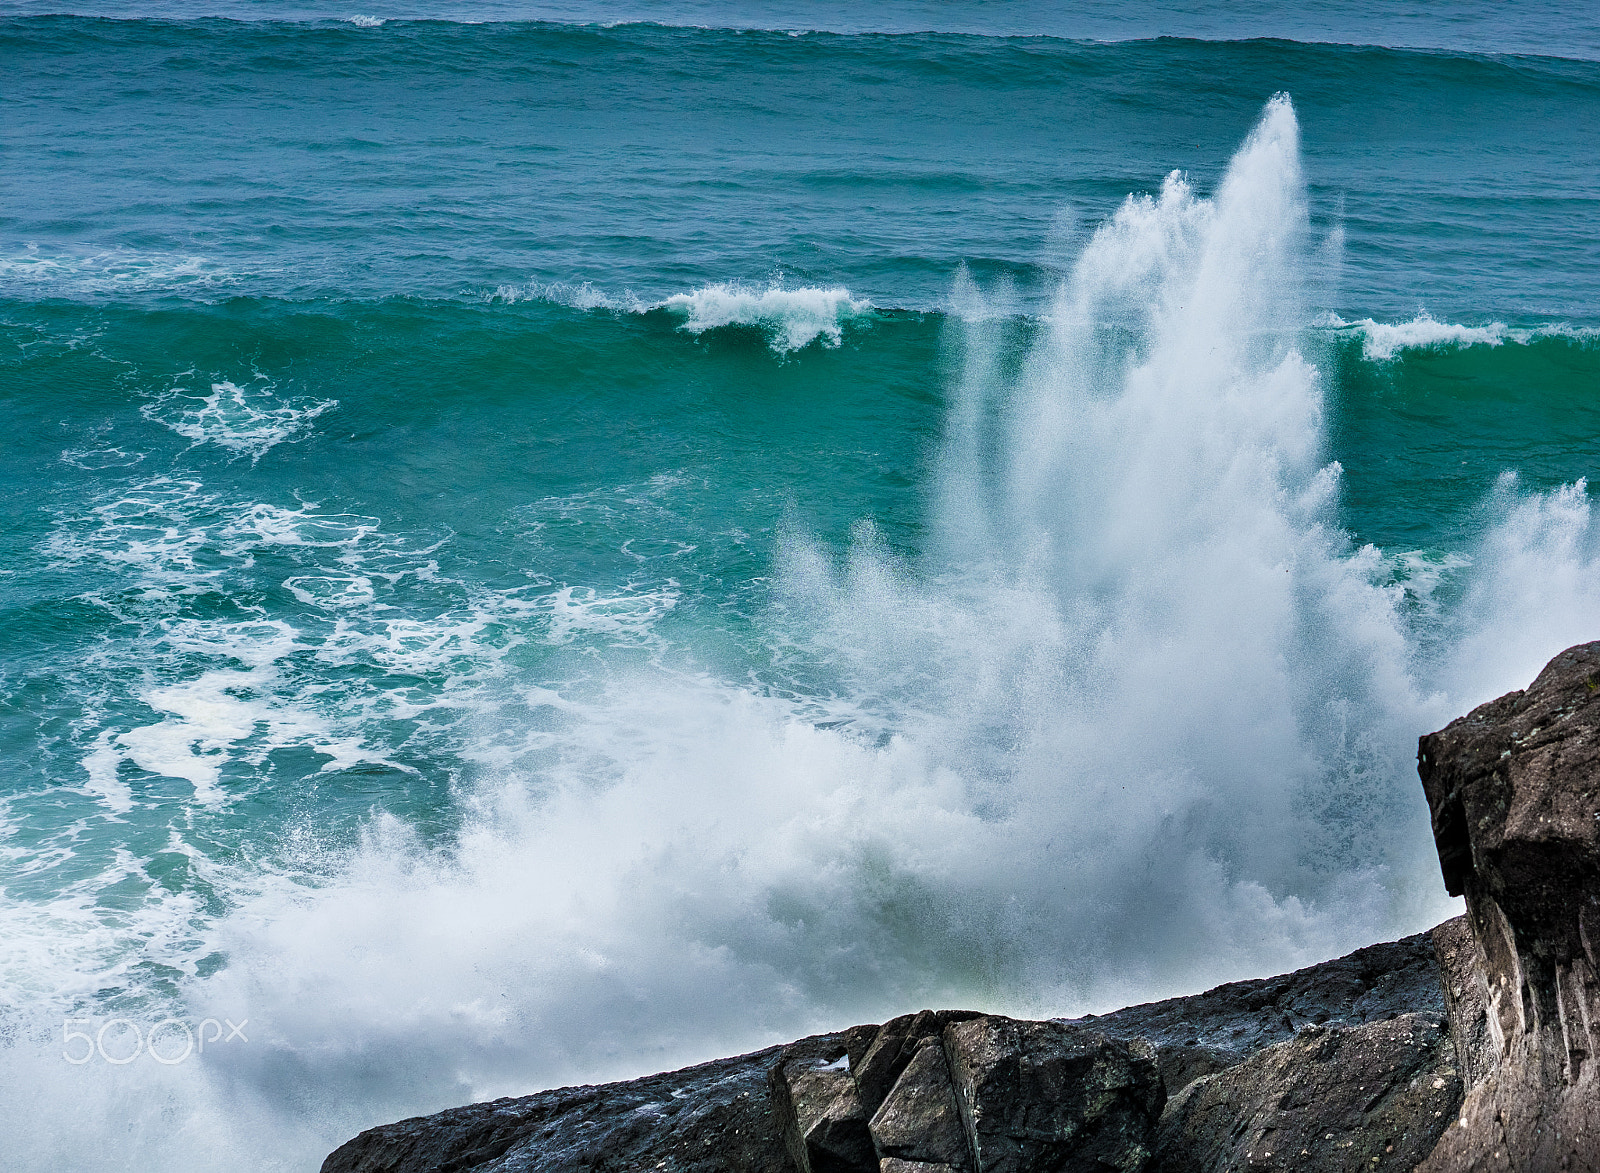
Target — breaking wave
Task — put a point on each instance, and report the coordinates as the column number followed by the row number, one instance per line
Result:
column 1383, row 342
column 791, row 319
column 1141, row 717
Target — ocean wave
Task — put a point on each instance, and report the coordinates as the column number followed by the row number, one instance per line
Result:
column 580, row 295
column 1565, row 30
column 1384, row 341
column 791, row 319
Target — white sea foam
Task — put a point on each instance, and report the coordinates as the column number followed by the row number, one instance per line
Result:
column 116, row 271
column 245, row 421
column 93, row 459
column 584, row 295
column 793, row 318
column 366, row 22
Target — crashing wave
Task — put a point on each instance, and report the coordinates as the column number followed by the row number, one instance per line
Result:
column 791, row 319
column 1385, row 341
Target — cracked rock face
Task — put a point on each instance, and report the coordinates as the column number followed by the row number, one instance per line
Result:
column 960, row 1092
column 1053, row 1095
column 1514, row 793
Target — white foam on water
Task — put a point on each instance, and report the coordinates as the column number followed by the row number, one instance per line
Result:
column 366, row 22
column 793, row 318
column 582, row 295
column 93, row 459
column 244, row 421
column 1381, row 342
column 34, row 271
column 1143, row 721
column 103, row 765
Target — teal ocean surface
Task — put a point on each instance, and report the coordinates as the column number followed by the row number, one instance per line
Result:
column 552, row 548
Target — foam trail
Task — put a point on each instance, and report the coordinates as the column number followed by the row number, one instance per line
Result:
column 243, row 421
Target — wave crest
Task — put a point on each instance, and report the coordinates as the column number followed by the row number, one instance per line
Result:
column 791, row 319
column 1385, row 341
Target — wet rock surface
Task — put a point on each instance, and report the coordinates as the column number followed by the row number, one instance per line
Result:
column 817, row 1108
column 714, row 1118
column 919, row 1120
column 1054, row 1095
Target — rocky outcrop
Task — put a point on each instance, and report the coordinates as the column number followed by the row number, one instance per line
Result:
column 957, row 1091
column 1514, row 791
column 1475, row 1047
column 1064, row 1095
column 714, row 1118
column 1331, row 1098
column 1206, row 1033
column 1054, row 1095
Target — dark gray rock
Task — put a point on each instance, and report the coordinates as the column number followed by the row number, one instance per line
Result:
column 817, row 1110
column 714, row 1118
column 752, row 1112
column 920, row 1121
column 1514, row 792
column 892, row 1048
column 1210, row 1032
column 1332, row 1099
column 1466, row 999
column 1051, row 1096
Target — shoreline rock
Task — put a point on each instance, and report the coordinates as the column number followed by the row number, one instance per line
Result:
column 1514, row 792
column 730, row 1116
column 1472, row 1047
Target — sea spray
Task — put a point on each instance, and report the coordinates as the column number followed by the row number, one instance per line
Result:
column 1138, row 718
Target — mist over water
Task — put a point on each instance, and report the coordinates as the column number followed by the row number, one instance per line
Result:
column 448, row 808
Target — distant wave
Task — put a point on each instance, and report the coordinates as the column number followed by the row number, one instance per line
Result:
column 1384, row 341
column 791, row 318
column 1562, row 29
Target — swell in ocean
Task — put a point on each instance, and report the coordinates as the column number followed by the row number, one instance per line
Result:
column 439, row 160
column 473, row 696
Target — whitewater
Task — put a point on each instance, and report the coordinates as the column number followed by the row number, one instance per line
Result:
column 442, row 666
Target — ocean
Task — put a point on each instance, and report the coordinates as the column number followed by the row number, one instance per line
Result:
column 545, row 543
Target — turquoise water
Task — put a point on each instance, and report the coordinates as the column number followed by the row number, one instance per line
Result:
column 538, row 551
